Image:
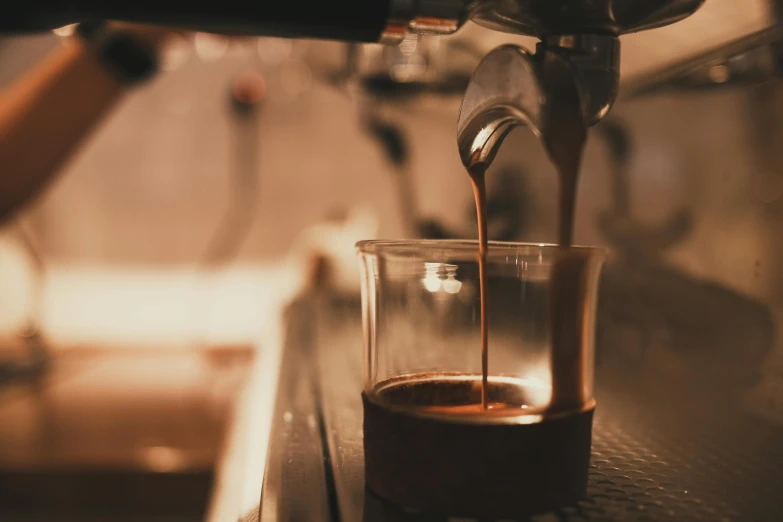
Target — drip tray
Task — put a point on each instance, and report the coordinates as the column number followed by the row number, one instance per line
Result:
column 664, row 447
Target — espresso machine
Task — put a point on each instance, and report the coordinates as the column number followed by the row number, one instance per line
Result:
column 584, row 33
column 661, row 452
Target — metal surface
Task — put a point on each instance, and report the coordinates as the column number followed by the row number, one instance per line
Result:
column 295, row 485
column 504, row 92
column 664, row 448
column 595, row 59
column 583, row 33
column 430, row 17
column 538, row 18
column 746, row 61
column 544, row 17
column 511, row 88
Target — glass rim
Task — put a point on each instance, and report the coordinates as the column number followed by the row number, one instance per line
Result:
column 377, row 246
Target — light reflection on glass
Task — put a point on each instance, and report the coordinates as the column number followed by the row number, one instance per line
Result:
column 538, row 377
column 451, row 285
column 431, row 280
column 440, row 276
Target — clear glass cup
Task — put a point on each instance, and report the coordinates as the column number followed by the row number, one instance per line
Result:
column 429, row 444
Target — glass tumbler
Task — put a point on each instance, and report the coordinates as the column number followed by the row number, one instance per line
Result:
column 430, row 443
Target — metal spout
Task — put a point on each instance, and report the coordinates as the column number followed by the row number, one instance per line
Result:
column 556, row 92
column 544, row 17
column 504, row 92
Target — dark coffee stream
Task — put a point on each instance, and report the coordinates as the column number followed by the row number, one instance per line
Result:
column 567, row 271
column 480, row 192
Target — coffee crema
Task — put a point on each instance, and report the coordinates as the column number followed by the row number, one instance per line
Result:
column 460, row 394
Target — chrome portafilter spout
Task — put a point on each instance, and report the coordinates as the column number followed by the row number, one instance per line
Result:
column 579, row 39
column 578, row 55
column 569, row 84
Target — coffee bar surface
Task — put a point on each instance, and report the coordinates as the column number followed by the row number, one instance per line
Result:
column 665, row 447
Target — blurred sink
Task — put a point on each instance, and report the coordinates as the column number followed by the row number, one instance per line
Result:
column 118, row 435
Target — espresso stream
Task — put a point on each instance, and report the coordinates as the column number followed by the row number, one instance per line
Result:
column 480, row 192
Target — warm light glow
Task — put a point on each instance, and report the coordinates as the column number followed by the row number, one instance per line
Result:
column 539, row 377
column 720, row 73
column 17, row 287
column 440, row 276
column 210, row 47
column 175, row 53
column 65, row 31
column 432, row 282
column 175, row 307
column 164, row 459
column 451, row 285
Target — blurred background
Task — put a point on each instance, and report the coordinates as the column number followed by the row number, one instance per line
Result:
column 142, row 295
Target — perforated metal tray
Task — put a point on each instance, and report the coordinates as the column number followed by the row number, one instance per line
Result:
column 664, row 447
